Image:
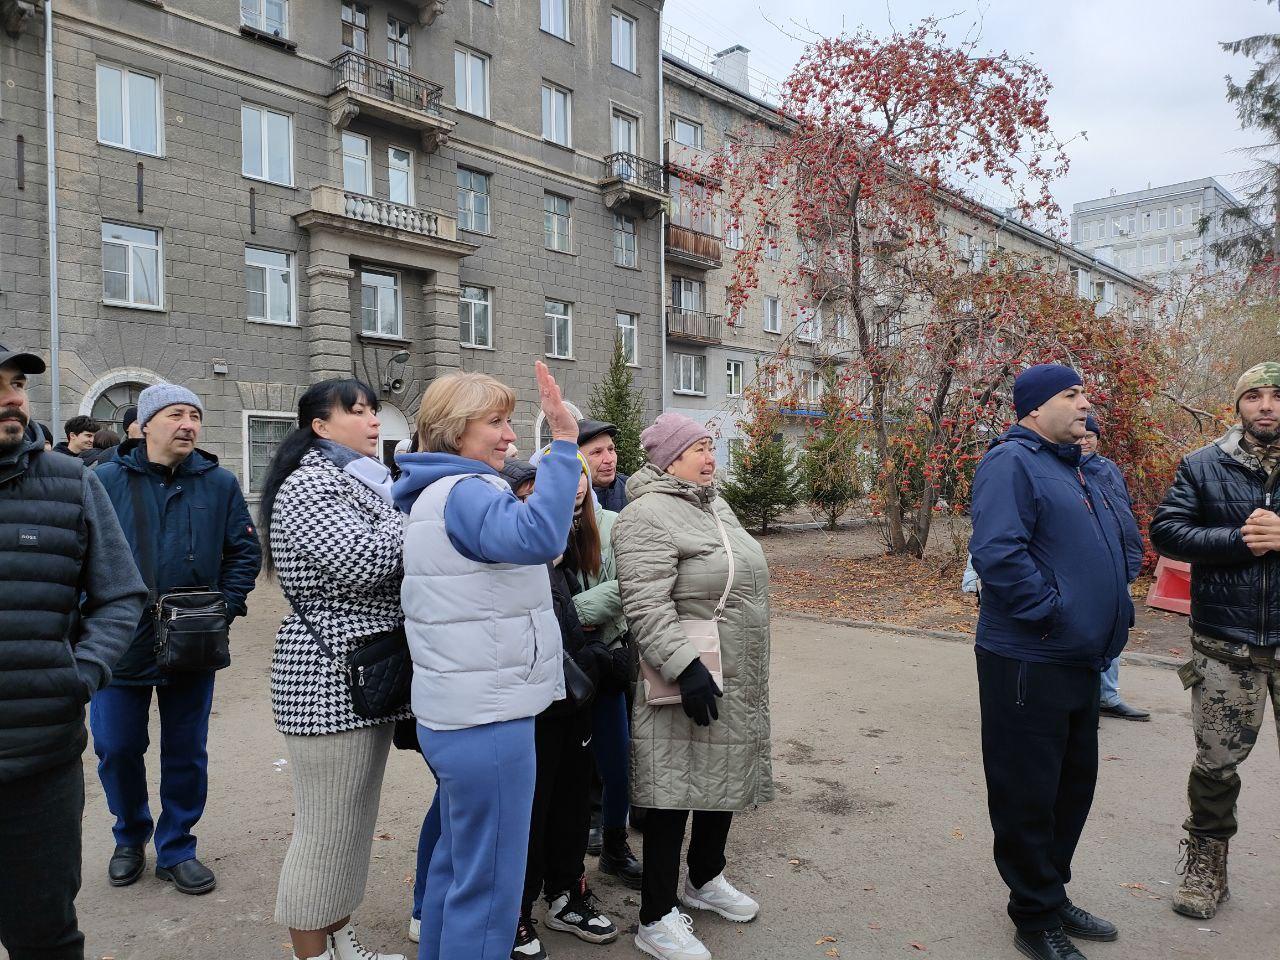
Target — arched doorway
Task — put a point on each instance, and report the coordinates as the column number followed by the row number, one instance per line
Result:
column 108, row 396
column 539, row 423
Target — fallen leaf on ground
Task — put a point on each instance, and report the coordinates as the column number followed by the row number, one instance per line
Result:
column 833, row 953
column 828, row 939
column 957, row 835
column 873, row 926
column 915, row 945
column 1113, row 758
column 384, row 836
column 1133, row 886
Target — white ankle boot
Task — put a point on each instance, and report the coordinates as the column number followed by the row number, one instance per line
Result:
column 343, row 945
column 327, row 955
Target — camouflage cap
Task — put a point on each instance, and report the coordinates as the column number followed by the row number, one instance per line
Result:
column 1265, row 374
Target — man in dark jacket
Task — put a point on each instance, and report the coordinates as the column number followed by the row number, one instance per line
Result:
column 1055, row 613
column 1220, row 516
column 596, row 441
column 1107, row 473
column 79, row 433
column 70, row 597
column 196, row 531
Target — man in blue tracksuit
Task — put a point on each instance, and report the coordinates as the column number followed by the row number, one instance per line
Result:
column 1055, row 613
column 1097, row 467
column 200, row 535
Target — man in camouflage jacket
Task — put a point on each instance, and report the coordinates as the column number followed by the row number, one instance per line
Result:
column 1220, row 516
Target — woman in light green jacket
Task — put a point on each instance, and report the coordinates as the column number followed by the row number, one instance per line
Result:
column 599, row 608
column 711, row 753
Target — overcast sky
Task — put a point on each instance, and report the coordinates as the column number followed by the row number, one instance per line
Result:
column 1143, row 78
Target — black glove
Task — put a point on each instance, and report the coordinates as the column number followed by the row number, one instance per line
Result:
column 595, row 662
column 698, row 692
column 622, row 667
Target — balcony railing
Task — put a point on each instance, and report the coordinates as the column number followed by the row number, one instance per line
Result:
column 685, row 324
column 384, row 213
column 635, row 170
column 360, row 74
column 693, row 247
column 681, row 156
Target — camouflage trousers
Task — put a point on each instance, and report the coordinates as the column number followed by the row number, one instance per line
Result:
column 1229, row 693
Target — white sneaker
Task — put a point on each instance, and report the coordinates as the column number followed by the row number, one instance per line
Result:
column 327, row 955
column 722, row 897
column 344, row 946
column 671, row 938
column 415, row 929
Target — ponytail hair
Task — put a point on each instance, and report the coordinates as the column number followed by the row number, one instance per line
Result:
column 318, row 403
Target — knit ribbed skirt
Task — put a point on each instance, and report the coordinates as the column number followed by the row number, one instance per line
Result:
column 337, row 781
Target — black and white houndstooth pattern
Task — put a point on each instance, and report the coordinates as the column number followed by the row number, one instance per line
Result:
column 339, row 551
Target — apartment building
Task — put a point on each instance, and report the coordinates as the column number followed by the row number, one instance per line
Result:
column 1154, row 233
column 254, row 196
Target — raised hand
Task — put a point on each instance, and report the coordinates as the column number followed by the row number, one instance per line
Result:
column 562, row 423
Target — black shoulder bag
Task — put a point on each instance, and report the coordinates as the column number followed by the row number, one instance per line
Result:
column 378, row 671
column 191, row 623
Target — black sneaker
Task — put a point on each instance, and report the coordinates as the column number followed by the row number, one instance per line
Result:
column 527, row 945
column 574, row 911
column 1046, row 945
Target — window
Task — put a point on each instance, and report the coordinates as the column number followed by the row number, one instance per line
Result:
column 1131, row 224
column 771, row 249
column 357, row 171
column 1179, row 250
column 686, row 132
column 475, row 326
column 627, row 334
column 732, row 315
column 557, row 124
column 268, row 281
column 555, row 18
column 737, row 447
column 1146, row 222
column 1148, row 256
column 733, row 378
column 355, row 26
column 1086, row 231
column 1162, row 219
column 400, row 175
column 129, row 109
column 130, row 266
column 399, row 44
column 1162, row 253
column 380, row 303
column 624, row 41
column 265, row 434
column 266, row 144
column 555, row 222
column 109, row 407
column 1195, row 215
column 624, row 241
column 558, row 317
column 1178, row 217
column 471, row 82
column 691, row 373
column 808, row 325
column 624, row 132
column 811, row 389
column 473, row 200
column 688, row 294
column 733, row 235
column 269, row 15
column 691, row 205
column 772, row 315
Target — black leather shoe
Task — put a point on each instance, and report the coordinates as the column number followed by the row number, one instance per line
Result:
column 617, row 860
column 189, row 876
column 1046, row 945
column 1122, row 711
column 126, row 866
column 1083, row 925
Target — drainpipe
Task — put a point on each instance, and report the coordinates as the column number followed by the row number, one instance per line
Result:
column 55, row 376
column 662, row 230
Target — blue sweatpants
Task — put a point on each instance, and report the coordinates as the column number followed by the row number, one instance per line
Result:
column 611, row 744
column 428, row 837
column 118, row 718
column 472, row 901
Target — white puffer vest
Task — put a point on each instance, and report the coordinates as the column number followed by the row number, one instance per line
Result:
column 484, row 637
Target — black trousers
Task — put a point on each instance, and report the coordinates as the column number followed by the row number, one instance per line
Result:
column 663, row 838
column 1040, row 753
column 561, row 814
column 40, row 864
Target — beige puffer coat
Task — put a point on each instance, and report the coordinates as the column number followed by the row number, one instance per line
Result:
column 671, row 564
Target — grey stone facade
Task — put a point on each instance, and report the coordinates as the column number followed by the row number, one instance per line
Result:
column 207, row 211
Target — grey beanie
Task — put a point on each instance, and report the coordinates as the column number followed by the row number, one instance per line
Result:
column 154, row 399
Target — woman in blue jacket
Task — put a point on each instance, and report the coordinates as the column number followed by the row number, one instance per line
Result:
column 485, row 644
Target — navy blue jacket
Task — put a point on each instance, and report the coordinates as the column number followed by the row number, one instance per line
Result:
column 1051, row 555
column 203, row 537
column 614, row 496
column 1107, row 473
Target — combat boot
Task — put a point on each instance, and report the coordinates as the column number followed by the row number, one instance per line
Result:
column 1204, row 881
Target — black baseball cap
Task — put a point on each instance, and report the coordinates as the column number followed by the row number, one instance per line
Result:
column 590, row 429
column 28, row 363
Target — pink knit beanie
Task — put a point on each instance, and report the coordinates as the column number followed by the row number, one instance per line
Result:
column 669, row 436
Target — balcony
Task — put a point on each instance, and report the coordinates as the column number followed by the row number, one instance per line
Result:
column 365, row 86
column 381, row 230
column 633, row 184
column 692, row 326
column 693, row 248
column 682, row 158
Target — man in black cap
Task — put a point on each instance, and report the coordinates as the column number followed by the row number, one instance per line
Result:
column 70, row 598
column 596, row 441
column 129, row 424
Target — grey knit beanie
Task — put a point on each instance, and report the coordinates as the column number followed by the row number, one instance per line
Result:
column 154, row 399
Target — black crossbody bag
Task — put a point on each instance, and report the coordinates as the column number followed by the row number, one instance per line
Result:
column 191, row 623
column 378, row 671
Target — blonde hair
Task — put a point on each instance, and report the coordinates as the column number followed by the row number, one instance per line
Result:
column 454, row 399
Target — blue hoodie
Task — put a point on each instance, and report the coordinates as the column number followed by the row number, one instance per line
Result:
column 489, row 525
column 1053, row 569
